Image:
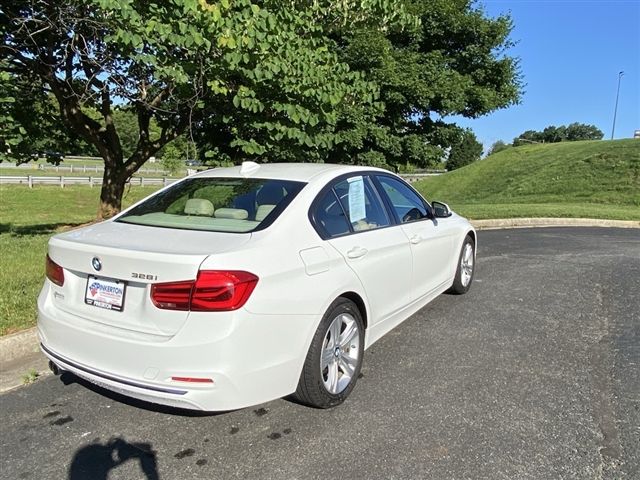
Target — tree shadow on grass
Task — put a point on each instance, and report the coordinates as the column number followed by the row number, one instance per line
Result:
column 37, row 229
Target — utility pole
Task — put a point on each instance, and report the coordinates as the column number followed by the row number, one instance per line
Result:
column 615, row 111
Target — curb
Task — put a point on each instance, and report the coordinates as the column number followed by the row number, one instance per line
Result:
column 18, row 345
column 22, row 344
column 552, row 222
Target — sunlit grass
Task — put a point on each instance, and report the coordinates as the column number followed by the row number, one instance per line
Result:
column 28, row 217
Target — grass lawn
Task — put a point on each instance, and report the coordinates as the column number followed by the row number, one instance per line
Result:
column 28, row 217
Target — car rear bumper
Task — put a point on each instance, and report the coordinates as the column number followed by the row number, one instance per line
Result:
column 250, row 358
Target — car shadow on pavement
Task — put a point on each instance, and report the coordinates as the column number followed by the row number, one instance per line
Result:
column 96, row 460
column 68, row 378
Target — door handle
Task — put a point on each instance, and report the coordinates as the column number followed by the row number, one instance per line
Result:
column 357, row 252
column 415, row 239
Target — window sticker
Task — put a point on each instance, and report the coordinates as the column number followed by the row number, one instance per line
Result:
column 357, row 210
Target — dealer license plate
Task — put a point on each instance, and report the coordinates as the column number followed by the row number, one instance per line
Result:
column 105, row 293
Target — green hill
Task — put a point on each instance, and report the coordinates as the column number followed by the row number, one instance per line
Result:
column 594, row 179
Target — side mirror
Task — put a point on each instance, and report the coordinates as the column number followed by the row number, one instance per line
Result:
column 440, row 209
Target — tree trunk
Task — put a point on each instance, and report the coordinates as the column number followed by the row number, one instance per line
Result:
column 114, row 181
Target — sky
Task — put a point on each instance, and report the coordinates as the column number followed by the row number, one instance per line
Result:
column 570, row 54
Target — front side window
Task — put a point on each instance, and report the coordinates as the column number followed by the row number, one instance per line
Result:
column 408, row 206
column 216, row 204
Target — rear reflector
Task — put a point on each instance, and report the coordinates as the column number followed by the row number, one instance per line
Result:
column 213, row 290
column 55, row 273
column 192, row 380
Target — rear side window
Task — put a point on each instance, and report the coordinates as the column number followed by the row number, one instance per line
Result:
column 330, row 216
column 361, row 204
column 352, row 205
column 216, row 204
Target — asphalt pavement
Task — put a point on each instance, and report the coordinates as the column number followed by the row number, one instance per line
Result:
column 534, row 374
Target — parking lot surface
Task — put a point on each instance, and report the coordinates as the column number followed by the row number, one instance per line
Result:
column 534, row 374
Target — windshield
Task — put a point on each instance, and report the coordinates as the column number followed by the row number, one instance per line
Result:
column 216, row 204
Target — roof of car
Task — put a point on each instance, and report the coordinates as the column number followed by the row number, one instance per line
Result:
column 302, row 172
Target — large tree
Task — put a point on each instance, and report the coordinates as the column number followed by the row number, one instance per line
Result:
column 453, row 63
column 466, row 151
column 264, row 75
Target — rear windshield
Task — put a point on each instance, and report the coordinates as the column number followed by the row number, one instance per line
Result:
column 216, row 204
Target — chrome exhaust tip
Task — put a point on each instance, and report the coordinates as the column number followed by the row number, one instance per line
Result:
column 54, row 368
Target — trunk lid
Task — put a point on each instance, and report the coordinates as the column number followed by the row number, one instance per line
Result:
column 131, row 258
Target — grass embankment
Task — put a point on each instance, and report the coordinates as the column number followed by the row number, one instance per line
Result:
column 599, row 179
column 28, row 217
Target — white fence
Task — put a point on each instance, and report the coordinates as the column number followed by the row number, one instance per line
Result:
column 41, row 167
column 62, row 181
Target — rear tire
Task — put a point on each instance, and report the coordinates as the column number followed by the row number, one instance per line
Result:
column 466, row 267
column 334, row 359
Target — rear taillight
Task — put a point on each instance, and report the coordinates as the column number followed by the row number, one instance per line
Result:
column 55, row 273
column 172, row 296
column 220, row 290
column 213, row 290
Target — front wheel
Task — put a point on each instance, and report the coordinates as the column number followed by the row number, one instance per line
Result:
column 466, row 267
column 334, row 359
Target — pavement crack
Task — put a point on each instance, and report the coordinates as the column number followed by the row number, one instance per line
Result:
column 601, row 365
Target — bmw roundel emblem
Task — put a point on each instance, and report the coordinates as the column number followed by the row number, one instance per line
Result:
column 96, row 264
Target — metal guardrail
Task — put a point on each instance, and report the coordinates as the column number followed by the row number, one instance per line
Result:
column 414, row 177
column 62, row 181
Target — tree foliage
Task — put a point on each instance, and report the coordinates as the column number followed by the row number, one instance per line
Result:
column 466, row 151
column 357, row 81
column 452, row 63
column 29, row 120
column 263, row 75
column 580, row 131
column 172, row 159
column 552, row 134
column 498, row 146
column 12, row 133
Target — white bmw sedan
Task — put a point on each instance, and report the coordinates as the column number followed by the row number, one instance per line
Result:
column 241, row 285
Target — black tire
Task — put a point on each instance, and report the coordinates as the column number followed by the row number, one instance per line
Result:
column 459, row 287
column 312, row 390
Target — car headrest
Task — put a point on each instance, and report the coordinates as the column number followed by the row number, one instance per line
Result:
column 235, row 213
column 198, row 206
